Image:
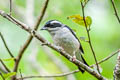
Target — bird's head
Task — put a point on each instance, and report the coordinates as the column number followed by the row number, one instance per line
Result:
column 52, row 25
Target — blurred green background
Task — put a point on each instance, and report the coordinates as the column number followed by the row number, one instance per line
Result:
column 38, row 60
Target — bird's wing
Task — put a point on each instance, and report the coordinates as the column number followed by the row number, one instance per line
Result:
column 76, row 38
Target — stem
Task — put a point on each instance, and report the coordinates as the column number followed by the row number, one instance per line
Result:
column 89, row 38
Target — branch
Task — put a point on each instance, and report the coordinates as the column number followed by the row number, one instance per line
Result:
column 117, row 68
column 40, row 38
column 63, row 68
column 10, row 7
column 49, row 76
column 21, row 74
column 5, row 44
column 85, row 2
column 89, row 38
column 7, row 69
column 72, row 72
column 28, row 41
column 115, row 10
column 2, row 76
column 108, row 57
column 37, row 66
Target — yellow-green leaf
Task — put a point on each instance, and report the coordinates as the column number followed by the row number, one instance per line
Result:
column 79, row 20
column 8, row 75
column 9, row 59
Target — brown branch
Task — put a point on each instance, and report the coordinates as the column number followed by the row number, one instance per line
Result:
column 5, row 44
column 2, row 76
column 20, row 75
column 40, row 38
column 116, row 73
column 49, row 76
column 22, row 50
column 108, row 57
column 115, row 10
column 86, row 2
column 7, row 69
column 72, row 72
column 89, row 38
column 10, row 7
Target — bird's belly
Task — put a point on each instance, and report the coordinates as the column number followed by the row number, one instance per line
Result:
column 67, row 44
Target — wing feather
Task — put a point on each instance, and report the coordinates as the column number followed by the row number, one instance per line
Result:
column 76, row 38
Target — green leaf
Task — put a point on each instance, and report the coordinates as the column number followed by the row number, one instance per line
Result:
column 8, row 75
column 79, row 20
column 9, row 59
column 88, row 20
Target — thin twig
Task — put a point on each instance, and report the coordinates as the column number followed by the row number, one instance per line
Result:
column 86, row 2
column 115, row 10
column 108, row 57
column 72, row 72
column 22, row 50
column 20, row 75
column 7, row 69
column 2, row 76
column 89, row 38
column 116, row 72
column 10, row 7
column 52, row 46
column 55, row 75
column 5, row 44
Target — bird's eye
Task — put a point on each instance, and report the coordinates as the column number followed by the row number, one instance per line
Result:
column 47, row 25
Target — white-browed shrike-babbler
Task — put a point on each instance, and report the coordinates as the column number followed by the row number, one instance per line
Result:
column 64, row 37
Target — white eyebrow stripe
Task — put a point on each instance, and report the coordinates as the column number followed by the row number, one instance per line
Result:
column 55, row 22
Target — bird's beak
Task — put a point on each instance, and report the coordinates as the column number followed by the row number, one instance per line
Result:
column 43, row 28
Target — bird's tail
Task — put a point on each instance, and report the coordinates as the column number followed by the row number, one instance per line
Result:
column 80, row 57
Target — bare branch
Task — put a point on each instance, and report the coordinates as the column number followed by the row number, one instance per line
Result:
column 39, row 37
column 37, row 66
column 108, row 57
column 22, row 50
column 86, row 2
column 117, row 68
column 72, row 72
column 89, row 38
column 10, row 53
column 21, row 74
column 115, row 10
column 10, row 7
column 2, row 76
column 7, row 69
column 63, row 67
column 49, row 76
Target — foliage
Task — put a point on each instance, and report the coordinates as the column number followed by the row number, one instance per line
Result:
column 79, row 20
column 104, row 32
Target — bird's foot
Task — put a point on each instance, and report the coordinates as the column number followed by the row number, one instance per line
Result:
column 73, row 58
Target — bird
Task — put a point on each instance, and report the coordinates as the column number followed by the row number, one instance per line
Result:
column 64, row 37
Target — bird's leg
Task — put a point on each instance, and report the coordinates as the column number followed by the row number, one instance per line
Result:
column 74, row 56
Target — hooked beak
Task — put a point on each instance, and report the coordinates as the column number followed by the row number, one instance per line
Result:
column 43, row 28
